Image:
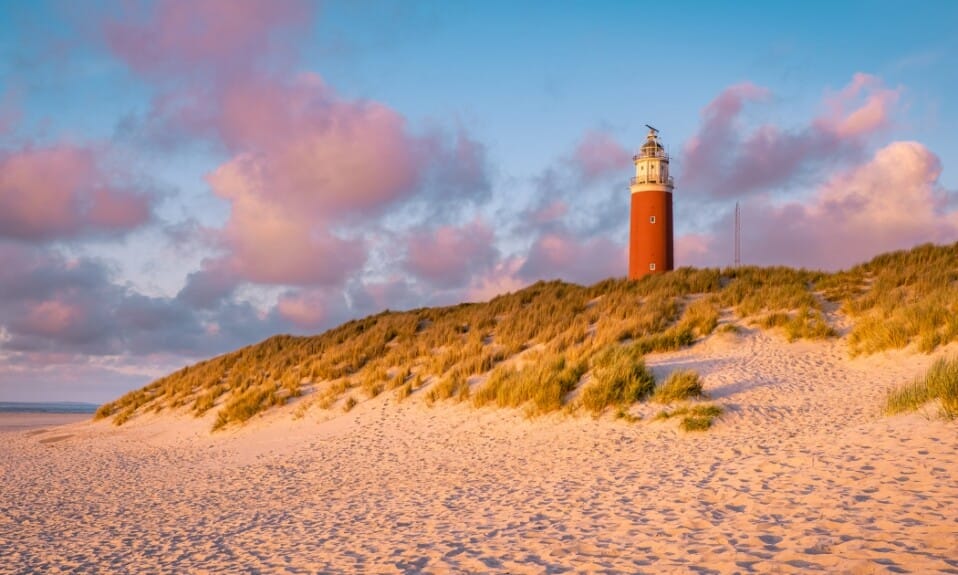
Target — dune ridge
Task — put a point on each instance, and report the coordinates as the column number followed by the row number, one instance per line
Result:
column 544, row 347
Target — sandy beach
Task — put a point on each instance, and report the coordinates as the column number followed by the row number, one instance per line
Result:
column 38, row 421
column 802, row 473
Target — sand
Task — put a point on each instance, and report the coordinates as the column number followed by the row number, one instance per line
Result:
column 803, row 473
column 38, row 421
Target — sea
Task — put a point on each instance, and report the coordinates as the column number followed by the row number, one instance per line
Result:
column 31, row 416
column 47, row 407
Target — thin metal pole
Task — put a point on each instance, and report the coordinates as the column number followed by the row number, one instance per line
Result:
column 738, row 235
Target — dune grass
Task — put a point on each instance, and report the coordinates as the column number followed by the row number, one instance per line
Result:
column 403, row 391
column 940, row 383
column 533, row 346
column 619, row 378
column 694, row 418
column 452, row 385
column 351, row 402
column 730, row 328
column 702, row 316
column 900, row 298
column 678, row 386
column 540, row 386
column 623, row 414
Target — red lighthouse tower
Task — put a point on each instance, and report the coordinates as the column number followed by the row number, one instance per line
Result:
column 650, row 232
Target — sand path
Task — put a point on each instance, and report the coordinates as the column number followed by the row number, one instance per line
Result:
column 802, row 474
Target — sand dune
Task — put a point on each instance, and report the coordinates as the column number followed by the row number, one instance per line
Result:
column 802, row 473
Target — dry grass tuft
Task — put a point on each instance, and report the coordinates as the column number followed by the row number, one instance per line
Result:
column 619, row 377
column 351, row 402
column 680, row 385
column 404, row 392
column 694, row 418
column 939, row 382
column 541, row 385
column 453, row 385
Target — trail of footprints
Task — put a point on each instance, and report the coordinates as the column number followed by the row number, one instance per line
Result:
column 801, row 475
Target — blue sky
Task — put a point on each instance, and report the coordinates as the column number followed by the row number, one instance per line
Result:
column 179, row 179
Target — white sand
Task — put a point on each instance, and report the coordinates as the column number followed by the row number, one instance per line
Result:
column 803, row 473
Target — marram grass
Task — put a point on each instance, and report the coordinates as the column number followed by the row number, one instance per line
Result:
column 531, row 349
column 694, row 418
column 619, row 377
column 940, row 383
column 678, row 386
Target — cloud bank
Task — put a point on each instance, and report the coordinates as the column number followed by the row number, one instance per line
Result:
column 851, row 203
column 337, row 206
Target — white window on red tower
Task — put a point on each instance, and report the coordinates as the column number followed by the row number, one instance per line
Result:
column 651, row 219
column 651, row 267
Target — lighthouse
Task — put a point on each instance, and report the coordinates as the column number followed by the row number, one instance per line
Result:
column 650, row 230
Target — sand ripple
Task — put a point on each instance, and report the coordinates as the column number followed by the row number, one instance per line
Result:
column 802, row 474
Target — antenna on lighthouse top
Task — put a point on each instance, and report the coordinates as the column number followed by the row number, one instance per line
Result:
column 654, row 131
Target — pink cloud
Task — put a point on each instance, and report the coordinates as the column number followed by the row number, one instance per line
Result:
column 449, row 255
column 556, row 254
column 51, row 318
column 173, row 36
column 718, row 122
column 307, row 161
column 559, row 254
column 692, row 249
column 309, row 173
column 598, row 154
column 271, row 249
column 723, row 159
column 305, row 309
column 875, row 104
column 706, row 154
column 891, row 201
column 501, row 278
column 50, row 302
column 729, row 103
column 321, row 152
column 62, row 192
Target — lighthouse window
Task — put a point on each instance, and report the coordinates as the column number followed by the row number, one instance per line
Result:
column 651, row 267
column 651, row 219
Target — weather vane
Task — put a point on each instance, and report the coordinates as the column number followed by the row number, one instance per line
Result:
column 651, row 128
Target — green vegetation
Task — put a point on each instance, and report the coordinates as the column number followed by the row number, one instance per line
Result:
column 939, row 382
column 899, row 298
column 619, row 377
column 247, row 404
column 532, row 349
column 694, row 418
column 541, row 385
column 678, row 386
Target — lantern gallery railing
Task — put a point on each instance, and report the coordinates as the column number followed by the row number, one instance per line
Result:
column 648, row 180
column 651, row 154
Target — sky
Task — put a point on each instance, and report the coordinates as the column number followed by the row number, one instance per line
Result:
column 179, row 179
